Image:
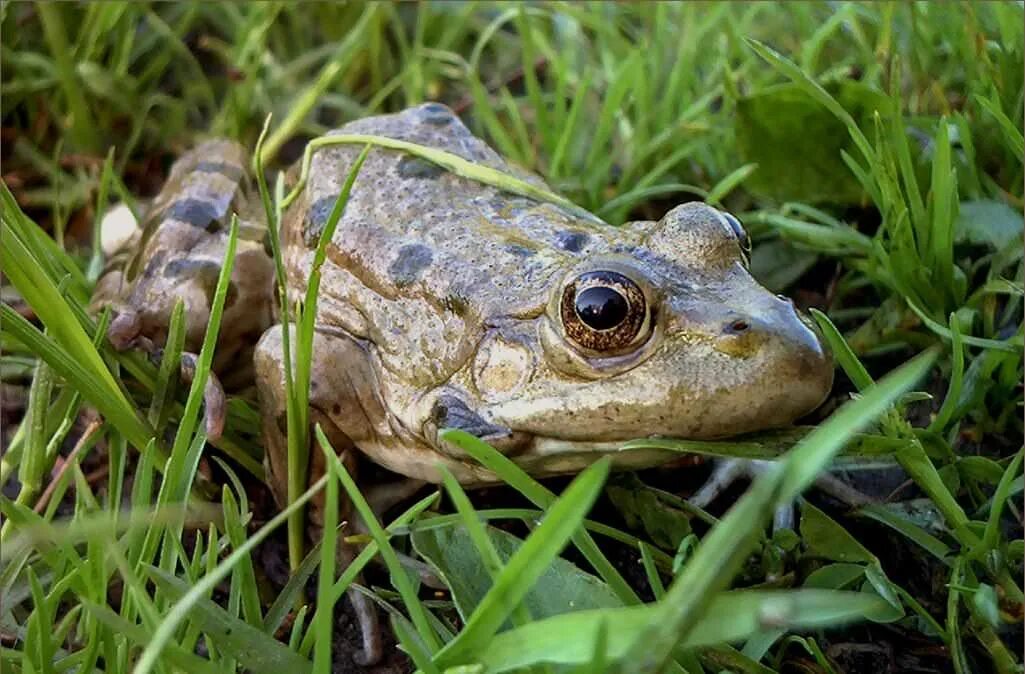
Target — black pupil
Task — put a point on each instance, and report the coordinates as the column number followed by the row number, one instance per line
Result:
column 601, row 308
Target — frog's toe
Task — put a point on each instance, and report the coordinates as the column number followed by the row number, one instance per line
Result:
column 729, row 470
column 124, row 330
column 370, row 629
column 214, row 403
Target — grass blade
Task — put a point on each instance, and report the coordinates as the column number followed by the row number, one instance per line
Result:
column 560, row 523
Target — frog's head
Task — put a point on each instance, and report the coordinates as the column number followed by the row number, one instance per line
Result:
column 669, row 336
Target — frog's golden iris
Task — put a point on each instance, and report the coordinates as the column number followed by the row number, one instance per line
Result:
column 603, row 311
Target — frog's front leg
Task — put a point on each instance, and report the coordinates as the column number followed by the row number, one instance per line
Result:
column 344, row 401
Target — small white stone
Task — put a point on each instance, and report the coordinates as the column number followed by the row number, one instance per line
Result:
column 117, row 226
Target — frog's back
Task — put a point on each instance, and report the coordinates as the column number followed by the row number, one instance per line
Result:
column 421, row 246
column 412, row 223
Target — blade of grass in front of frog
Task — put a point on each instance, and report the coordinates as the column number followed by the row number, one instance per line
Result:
column 308, row 313
column 446, row 160
column 170, row 364
column 569, row 638
column 543, row 498
column 492, row 562
column 187, row 446
column 297, row 443
column 72, row 343
column 369, row 551
column 180, row 610
column 296, row 430
column 113, row 406
column 561, row 522
column 728, row 543
column 323, row 623
column 416, row 609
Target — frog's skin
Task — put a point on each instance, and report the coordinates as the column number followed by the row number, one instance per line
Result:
column 446, row 302
column 178, row 254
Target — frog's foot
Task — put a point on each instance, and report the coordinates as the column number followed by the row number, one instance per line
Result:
column 125, row 333
column 729, row 470
column 215, row 409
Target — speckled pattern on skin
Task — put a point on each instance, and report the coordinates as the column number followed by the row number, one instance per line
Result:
column 447, row 302
column 179, row 251
column 443, row 292
column 413, row 238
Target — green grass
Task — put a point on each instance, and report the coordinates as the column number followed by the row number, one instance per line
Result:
column 874, row 152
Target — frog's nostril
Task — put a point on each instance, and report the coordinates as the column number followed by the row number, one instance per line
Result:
column 738, row 326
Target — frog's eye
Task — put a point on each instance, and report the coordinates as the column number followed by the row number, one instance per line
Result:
column 603, row 311
column 738, row 231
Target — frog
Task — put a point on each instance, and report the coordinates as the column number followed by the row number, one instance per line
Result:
column 447, row 302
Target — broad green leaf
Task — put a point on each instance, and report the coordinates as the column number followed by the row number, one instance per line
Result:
column 986, row 222
column 561, row 587
column 526, row 565
column 827, row 539
column 570, row 638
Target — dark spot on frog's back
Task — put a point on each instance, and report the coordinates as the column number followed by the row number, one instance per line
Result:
column 230, row 171
column 316, row 219
column 435, row 114
column 410, row 262
column 196, row 212
column 202, row 272
column 193, row 268
column 571, row 241
column 415, row 167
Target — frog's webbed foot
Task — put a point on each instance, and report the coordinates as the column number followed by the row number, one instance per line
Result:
column 729, row 470
column 125, row 332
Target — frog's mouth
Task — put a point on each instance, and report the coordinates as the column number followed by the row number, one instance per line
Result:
column 554, row 456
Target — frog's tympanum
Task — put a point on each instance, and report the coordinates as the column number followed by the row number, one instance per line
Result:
column 446, row 302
